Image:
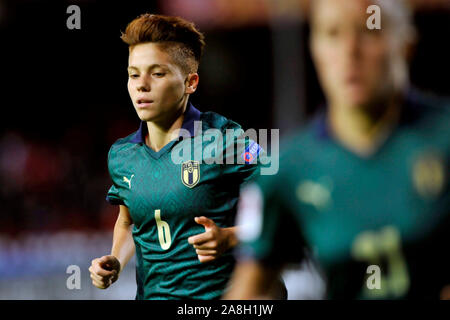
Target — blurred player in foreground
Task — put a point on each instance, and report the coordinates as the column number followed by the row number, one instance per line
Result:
column 365, row 185
column 177, row 217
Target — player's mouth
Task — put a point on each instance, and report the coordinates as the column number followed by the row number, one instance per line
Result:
column 143, row 103
column 353, row 80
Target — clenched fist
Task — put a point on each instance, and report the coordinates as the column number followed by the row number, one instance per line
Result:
column 104, row 271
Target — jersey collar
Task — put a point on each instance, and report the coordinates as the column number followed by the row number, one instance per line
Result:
column 410, row 111
column 190, row 116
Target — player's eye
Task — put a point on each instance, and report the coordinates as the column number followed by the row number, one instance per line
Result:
column 133, row 76
column 159, row 74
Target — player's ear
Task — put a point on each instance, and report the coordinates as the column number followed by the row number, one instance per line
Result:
column 191, row 83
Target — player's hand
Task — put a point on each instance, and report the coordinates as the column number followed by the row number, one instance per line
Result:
column 104, row 271
column 212, row 243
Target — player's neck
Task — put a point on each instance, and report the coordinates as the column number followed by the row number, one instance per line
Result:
column 362, row 131
column 162, row 132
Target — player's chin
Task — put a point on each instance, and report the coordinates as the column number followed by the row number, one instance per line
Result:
column 146, row 115
column 355, row 96
column 355, row 101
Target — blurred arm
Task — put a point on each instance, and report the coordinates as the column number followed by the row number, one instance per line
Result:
column 233, row 240
column 123, row 244
column 251, row 280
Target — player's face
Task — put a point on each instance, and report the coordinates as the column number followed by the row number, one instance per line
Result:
column 156, row 84
column 352, row 62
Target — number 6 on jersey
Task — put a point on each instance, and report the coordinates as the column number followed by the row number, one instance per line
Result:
column 163, row 231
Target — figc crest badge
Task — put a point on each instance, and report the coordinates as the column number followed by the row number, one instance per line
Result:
column 190, row 173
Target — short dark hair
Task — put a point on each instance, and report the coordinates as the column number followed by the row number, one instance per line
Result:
column 179, row 37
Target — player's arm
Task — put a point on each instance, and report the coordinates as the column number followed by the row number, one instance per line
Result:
column 253, row 280
column 123, row 244
column 264, row 223
column 212, row 243
column 106, row 270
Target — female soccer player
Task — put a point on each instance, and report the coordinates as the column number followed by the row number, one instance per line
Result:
column 365, row 186
column 177, row 217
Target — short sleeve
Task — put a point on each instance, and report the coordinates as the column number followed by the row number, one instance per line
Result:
column 268, row 231
column 113, row 196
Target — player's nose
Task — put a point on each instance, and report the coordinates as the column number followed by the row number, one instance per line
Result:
column 352, row 45
column 143, row 85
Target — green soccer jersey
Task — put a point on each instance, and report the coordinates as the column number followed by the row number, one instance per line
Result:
column 163, row 198
column 378, row 226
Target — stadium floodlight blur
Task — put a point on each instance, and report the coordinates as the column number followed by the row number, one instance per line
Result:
column 34, row 266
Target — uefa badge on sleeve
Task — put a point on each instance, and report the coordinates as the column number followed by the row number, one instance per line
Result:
column 251, row 153
column 190, row 173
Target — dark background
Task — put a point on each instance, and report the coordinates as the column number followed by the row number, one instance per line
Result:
column 64, row 98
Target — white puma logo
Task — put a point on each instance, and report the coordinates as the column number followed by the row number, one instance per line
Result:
column 128, row 180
